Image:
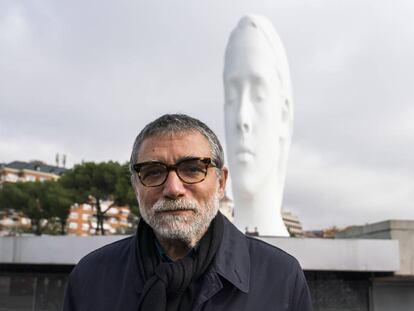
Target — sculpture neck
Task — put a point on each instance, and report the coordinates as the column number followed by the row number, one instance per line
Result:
column 261, row 210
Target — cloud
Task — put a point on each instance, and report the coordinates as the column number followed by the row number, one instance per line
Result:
column 323, row 193
column 84, row 78
column 13, row 26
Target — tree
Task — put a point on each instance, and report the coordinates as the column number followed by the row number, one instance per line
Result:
column 57, row 202
column 11, row 197
column 125, row 194
column 25, row 197
column 98, row 182
column 39, row 201
column 12, row 200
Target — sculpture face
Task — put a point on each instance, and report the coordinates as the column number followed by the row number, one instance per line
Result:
column 253, row 110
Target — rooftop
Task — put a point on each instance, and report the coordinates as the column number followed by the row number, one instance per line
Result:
column 35, row 166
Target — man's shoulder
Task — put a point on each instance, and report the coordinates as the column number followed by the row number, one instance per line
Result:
column 107, row 254
column 257, row 263
column 269, row 253
column 104, row 270
column 262, row 254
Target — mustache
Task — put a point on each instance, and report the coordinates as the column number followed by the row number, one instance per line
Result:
column 163, row 205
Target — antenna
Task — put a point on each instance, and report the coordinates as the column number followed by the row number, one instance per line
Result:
column 57, row 159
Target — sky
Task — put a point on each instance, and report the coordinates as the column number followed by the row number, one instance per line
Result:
column 82, row 78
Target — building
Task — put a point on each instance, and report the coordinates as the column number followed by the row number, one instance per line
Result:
column 13, row 222
column 393, row 291
column 292, row 224
column 291, row 221
column 328, row 233
column 18, row 171
column 82, row 219
column 226, row 207
column 401, row 230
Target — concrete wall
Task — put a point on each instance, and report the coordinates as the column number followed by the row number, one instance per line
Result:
column 399, row 230
column 393, row 295
column 339, row 271
column 44, row 249
column 406, row 239
column 341, row 255
column 313, row 254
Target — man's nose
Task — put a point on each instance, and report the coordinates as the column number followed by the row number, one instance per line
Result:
column 173, row 186
column 244, row 113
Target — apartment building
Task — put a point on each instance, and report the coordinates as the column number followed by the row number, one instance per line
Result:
column 292, row 224
column 226, row 207
column 82, row 219
column 18, row 171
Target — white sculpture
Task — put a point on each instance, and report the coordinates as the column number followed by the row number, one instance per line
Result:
column 258, row 122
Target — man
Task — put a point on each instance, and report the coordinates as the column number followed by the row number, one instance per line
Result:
column 185, row 255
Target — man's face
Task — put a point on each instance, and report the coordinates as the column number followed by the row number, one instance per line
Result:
column 176, row 210
column 253, row 102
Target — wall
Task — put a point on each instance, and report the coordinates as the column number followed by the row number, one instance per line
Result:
column 398, row 230
column 41, row 288
column 393, row 295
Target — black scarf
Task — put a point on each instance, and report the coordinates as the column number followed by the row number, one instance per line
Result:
column 167, row 282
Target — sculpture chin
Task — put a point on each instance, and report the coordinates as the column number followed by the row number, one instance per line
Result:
column 245, row 157
column 245, row 185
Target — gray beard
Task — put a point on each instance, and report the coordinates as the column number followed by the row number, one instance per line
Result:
column 188, row 229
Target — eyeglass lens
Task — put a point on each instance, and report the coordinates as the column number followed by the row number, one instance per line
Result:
column 189, row 171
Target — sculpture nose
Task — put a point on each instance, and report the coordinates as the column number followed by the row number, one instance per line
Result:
column 244, row 113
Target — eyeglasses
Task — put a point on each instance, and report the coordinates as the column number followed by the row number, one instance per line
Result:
column 190, row 171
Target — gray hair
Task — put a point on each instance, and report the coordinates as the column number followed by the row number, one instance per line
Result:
column 176, row 124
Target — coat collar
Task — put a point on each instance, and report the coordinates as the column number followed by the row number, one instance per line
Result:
column 133, row 265
column 233, row 259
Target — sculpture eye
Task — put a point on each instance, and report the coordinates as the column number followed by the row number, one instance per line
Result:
column 259, row 98
column 258, row 90
column 231, row 95
column 259, row 94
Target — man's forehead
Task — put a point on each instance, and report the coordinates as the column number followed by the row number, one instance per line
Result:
column 182, row 144
column 178, row 136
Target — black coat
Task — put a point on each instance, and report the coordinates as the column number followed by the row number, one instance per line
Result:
column 247, row 274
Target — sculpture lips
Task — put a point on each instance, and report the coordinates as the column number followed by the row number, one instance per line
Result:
column 246, row 150
column 244, row 155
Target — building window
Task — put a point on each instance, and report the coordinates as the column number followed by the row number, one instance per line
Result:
column 74, row 215
column 73, row 225
column 11, row 178
column 25, row 221
column 125, row 211
column 30, row 178
column 113, row 211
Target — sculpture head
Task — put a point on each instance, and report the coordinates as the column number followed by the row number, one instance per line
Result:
column 258, row 104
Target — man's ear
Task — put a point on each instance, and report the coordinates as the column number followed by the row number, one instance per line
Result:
column 222, row 181
column 286, row 119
